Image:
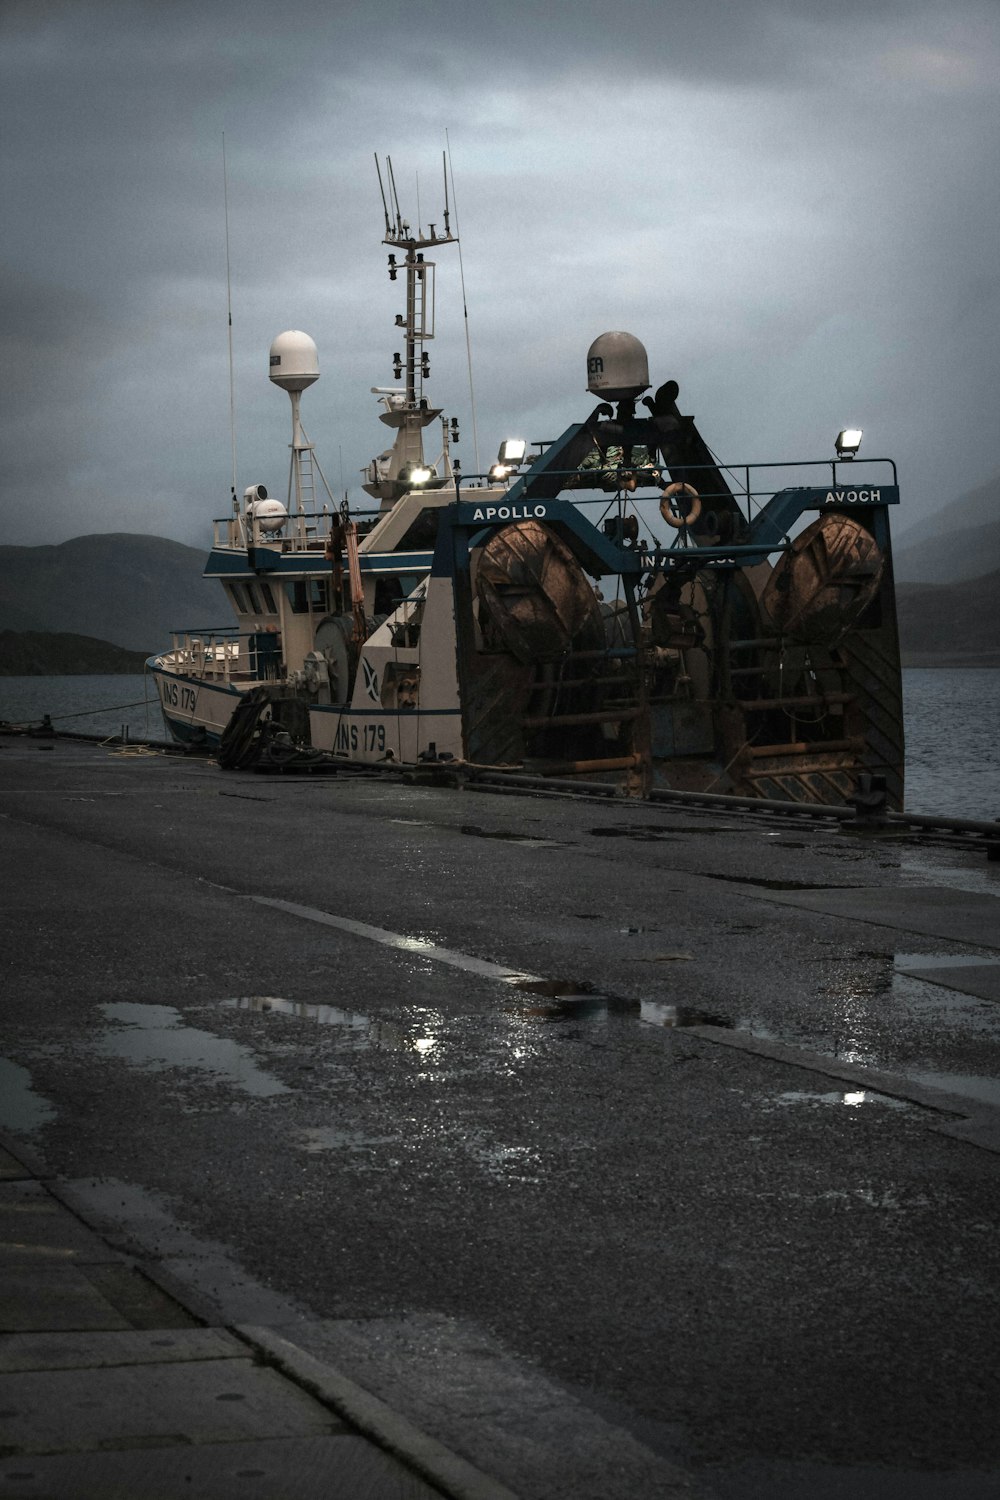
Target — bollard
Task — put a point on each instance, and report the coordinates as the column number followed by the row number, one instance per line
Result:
column 869, row 801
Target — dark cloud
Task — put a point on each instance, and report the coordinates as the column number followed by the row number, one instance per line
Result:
column 795, row 208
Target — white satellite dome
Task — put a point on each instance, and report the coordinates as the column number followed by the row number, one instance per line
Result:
column 294, row 362
column 617, row 367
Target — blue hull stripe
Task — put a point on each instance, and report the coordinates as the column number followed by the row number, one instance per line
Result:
column 190, row 734
column 383, row 713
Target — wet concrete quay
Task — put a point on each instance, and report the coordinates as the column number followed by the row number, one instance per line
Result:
column 609, row 1150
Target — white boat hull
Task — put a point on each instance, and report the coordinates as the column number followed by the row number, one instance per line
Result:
column 196, row 713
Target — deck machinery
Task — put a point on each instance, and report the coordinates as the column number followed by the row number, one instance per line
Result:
column 755, row 654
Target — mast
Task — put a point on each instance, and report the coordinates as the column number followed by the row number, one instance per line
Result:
column 406, row 408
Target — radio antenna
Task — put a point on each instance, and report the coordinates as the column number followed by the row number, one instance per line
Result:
column 394, row 196
column 229, row 316
column 385, row 206
column 465, row 306
column 444, row 168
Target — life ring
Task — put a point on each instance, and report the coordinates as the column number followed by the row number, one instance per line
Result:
column 671, row 518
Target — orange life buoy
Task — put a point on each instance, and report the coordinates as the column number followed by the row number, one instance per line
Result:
column 670, row 516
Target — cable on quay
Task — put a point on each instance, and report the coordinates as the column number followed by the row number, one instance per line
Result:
column 941, row 828
column 931, row 827
column 86, row 713
column 989, row 828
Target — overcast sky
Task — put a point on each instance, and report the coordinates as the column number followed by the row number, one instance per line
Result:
column 793, row 204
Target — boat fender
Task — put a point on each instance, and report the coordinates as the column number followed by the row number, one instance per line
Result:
column 670, row 515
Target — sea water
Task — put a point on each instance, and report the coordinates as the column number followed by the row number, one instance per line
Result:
column 98, row 705
column 952, row 727
column 952, row 723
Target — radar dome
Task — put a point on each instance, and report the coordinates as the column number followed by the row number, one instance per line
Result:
column 270, row 515
column 617, row 367
column 294, row 361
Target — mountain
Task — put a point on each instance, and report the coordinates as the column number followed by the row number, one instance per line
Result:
column 118, row 587
column 950, row 625
column 33, row 653
column 973, row 508
column 132, row 591
column 962, row 540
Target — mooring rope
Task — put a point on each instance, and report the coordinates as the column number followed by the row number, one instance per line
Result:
column 87, row 713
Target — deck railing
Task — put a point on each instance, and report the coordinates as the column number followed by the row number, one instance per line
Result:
column 750, row 485
column 226, row 654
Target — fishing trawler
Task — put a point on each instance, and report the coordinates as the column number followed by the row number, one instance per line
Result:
column 530, row 619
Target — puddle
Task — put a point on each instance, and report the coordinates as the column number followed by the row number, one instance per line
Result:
column 568, row 988
column 926, row 868
column 529, row 840
column 573, row 1008
column 21, row 1109
column 570, row 1000
column 156, row 1037
column 324, row 1015
column 331, row 1138
column 948, row 999
column 656, row 1013
column 646, row 833
column 649, row 832
column 590, row 1007
column 779, row 885
column 852, row 1099
column 697, row 828
column 359, row 1032
column 552, row 1000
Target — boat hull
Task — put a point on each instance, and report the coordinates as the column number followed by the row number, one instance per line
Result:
column 196, row 714
column 195, row 711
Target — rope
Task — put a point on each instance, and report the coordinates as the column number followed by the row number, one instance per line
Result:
column 88, row 713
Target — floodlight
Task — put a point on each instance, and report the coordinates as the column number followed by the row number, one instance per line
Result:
column 417, row 475
column 512, row 451
column 499, row 472
column 848, row 442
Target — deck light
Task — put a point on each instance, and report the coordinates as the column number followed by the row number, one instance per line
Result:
column 512, row 451
column 499, row 472
column 848, row 442
column 417, row 475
